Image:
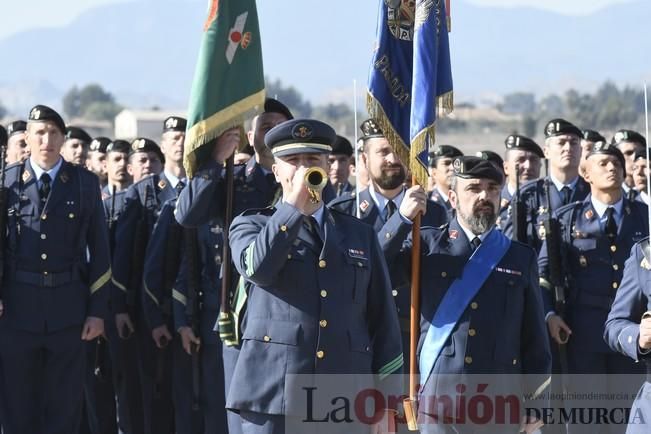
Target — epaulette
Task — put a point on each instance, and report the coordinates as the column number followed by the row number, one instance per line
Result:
column 646, row 252
column 569, row 207
column 257, row 211
column 344, row 198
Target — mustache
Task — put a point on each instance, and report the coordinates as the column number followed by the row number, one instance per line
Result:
column 483, row 204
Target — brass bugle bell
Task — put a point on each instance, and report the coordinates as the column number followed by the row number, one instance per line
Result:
column 315, row 180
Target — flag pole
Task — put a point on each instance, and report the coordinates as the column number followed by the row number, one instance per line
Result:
column 646, row 132
column 356, row 149
column 410, row 404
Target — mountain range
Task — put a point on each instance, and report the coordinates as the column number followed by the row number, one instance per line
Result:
column 144, row 51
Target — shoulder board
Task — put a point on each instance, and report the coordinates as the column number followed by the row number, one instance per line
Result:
column 569, row 207
column 259, row 211
column 13, row 166
column 344, row 198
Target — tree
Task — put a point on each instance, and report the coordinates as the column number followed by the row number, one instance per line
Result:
column 102, row 111
column 289, row 96
column 91, row 101
column 71, row 103
column 3, row 110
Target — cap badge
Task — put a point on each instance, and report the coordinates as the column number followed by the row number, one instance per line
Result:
column 35, row 114
column 551, row 128
column 171, row 123
column 302, row 131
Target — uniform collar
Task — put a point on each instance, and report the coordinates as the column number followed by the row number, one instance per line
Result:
column 173, row 180
column 381, row 201
column 559, row 185
column 601, row 207
column 319, row 215
column 38, row 171
column 442, row 195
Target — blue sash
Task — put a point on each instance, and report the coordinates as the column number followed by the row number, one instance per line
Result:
column 455, row 301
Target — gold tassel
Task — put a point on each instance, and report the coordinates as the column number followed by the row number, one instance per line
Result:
column 409, row 155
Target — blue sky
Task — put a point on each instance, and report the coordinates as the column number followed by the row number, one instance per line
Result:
column 18, row 15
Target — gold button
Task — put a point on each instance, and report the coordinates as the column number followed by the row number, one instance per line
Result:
column 444, row 274
column 613, row 248
column 615, row 267
column 71, row 215
column 283, row 228
column 515, row 361
column 615, row 285
column 387, row 236
column 44, row 217
column 320, row 354
column 359, row 264
column 266, row 338
column 43, row 256
column 472, row 332
column 322, row 263
column 468, row 360
column 324, row 293
column 43, row 236
column 323, row 323
column 45, row 273
column 394, row 292
column 474, row 305
column 289, row 256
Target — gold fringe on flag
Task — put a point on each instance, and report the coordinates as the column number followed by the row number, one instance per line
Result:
column 409, row 154
column 211, row 128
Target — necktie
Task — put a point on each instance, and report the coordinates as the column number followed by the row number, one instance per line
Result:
column 611, row 224
column 475, row 243
column 44, row 190
column 390, row 209
column 179, row 187
column 312, row 227
column 566, row 193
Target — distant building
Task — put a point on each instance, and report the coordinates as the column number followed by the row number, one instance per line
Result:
column 130, row 124
column 93, row 128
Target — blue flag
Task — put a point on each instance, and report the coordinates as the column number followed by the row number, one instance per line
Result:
column 410, row 81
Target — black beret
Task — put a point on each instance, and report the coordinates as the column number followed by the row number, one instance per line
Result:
column 299, row 136
column 78, row 133
column 443, row 151
column 470, row 167
column 370, row 129
column 143, row 144
column 559, row 127
column 174, row 123
column 523, row 143
column 16, row 127
column 608, row 149
column 274, row 106
column 628, row 136
column 99, row 144
column 3, row 136
column 43, row 113
column 491, row 156
column 342, row 146
column 640, row 154
column 119, row 146
column 593, row 136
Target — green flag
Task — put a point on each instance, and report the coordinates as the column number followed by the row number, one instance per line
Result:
column 228, row 85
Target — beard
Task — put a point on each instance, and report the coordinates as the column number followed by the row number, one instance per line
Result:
column 389, row 181
column 480, row 220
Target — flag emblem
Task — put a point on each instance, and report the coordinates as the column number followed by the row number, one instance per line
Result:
column 237, row 38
